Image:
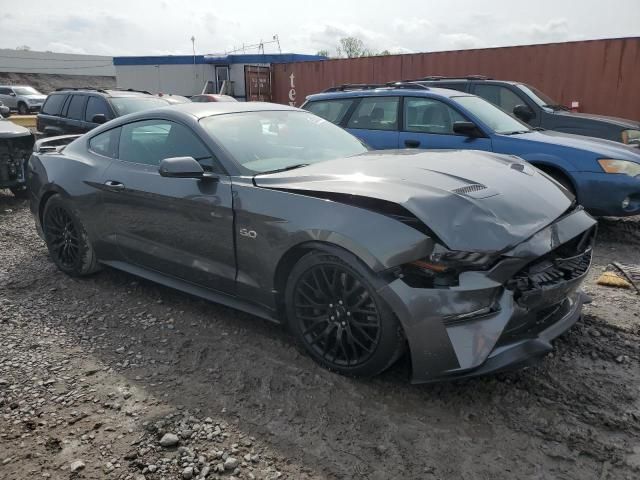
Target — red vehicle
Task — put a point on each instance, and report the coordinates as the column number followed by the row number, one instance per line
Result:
column 212, row 97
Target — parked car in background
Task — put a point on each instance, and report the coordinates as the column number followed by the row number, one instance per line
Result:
column 212, row 97
column 5, row 111
column 78, row 110
column 22, row 98
column 173, row 99
column 604, row 175
column 470, row 260
column 16, row 145
column 539, row 110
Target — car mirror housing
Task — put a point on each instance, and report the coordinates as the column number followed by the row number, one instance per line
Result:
column 99, row 118
column 523, row 112
column 468, row 129
column 183, row 167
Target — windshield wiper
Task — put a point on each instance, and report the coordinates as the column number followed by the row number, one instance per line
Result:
column 290, row 167
column 556, row 107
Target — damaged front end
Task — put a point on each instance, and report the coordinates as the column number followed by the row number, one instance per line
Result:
column 467, row 314
column 16, row 145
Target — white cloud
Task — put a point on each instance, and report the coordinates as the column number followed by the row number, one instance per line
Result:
column 64, row 48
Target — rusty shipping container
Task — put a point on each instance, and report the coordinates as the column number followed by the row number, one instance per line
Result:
column 603, row 75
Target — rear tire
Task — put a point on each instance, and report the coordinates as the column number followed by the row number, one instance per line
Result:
column 23, row 109
column 338, row 318
column 67, row 240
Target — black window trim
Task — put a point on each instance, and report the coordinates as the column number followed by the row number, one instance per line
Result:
column 84, row 107
column 110, row 110
column 357, row 104
column 157, row 170
column 516, row 91
column 449, row 104
column 97, row 134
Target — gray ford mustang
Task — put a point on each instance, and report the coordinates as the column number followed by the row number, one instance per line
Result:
column 471, row 261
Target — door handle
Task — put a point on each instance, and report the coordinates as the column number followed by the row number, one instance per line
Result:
column 114, row 185
column 412, row 143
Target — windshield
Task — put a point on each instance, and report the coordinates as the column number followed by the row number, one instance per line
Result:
column 126, row 105
column 537, row 96
column 492, row 116
column 274, row 140
column 25, row 91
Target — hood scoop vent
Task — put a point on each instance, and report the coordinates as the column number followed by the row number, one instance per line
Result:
column 467, row 189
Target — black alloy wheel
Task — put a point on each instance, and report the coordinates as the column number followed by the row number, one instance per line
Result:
column 338, row 318
column 62, row 237
column 66, row 239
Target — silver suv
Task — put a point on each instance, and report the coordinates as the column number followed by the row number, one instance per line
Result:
column 22, row 98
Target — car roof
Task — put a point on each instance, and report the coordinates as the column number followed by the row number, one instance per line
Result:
column 104, row 92
column 201, row 110
column 389, row 91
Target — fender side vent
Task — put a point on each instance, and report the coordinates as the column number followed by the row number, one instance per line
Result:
column 474, row 187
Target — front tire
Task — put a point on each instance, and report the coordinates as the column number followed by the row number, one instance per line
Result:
column 67, row 240
column 338, row 318
column 23, row 109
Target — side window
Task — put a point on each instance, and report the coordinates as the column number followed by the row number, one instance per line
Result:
column 427, row 115
column 106, row 143
column 331, row 110
column 501, row 97
column 460, row 86
column 151, row 141
column 376, row 113
column 75, row 110
column 53, row 104
column 96, row 106
column 5, row 91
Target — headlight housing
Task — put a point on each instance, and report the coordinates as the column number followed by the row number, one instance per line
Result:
column 443, row 266
column 626, row 167
column 631, row 137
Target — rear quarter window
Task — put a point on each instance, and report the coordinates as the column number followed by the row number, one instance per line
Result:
column 106, row 143
column 332, row 110
column 53, row 104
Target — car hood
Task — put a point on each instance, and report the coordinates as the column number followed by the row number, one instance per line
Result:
column 11, row 130
column 599, row 146
column 42, row 98
column 473, row 201
column 621, row 122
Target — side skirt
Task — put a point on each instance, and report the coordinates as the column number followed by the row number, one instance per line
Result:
column 192, row 289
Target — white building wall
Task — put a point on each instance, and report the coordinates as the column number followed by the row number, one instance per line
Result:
column 175, row 79
column 19, row 61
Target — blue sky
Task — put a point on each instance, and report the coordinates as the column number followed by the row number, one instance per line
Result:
column 146, row 27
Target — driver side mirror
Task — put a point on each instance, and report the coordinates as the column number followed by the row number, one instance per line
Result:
column 99, row 118
column 468, row 129
column 12, row 94
column 523, row 112
column 183, row 167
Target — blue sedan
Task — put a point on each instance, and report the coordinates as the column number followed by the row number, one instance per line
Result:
column 602, row 174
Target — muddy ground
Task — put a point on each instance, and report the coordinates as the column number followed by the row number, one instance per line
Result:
column 94, row 372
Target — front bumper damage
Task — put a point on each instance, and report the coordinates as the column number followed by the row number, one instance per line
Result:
column 501, row 318
column 15, row 150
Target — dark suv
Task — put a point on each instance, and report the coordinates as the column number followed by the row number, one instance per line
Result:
column 78, row 110
column 539, row 110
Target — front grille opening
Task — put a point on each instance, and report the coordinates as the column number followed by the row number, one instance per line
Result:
column 569, row 261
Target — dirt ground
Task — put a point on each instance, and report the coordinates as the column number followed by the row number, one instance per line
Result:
column 97, row 374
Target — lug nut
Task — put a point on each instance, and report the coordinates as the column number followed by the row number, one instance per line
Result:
column 331, row 305
column 332, row 317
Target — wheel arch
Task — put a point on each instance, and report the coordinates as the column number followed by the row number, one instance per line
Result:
column 556, row 171
column 289, row 259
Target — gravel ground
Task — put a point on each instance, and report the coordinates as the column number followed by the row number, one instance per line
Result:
column 112, row 377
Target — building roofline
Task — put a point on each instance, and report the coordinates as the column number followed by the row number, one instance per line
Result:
column 216, row 59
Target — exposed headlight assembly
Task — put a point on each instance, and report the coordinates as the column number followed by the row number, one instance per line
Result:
column 620, row 166
column 631, row 137
column 442, row 267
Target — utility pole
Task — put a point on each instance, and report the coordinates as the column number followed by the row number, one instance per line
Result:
column 195, row 72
